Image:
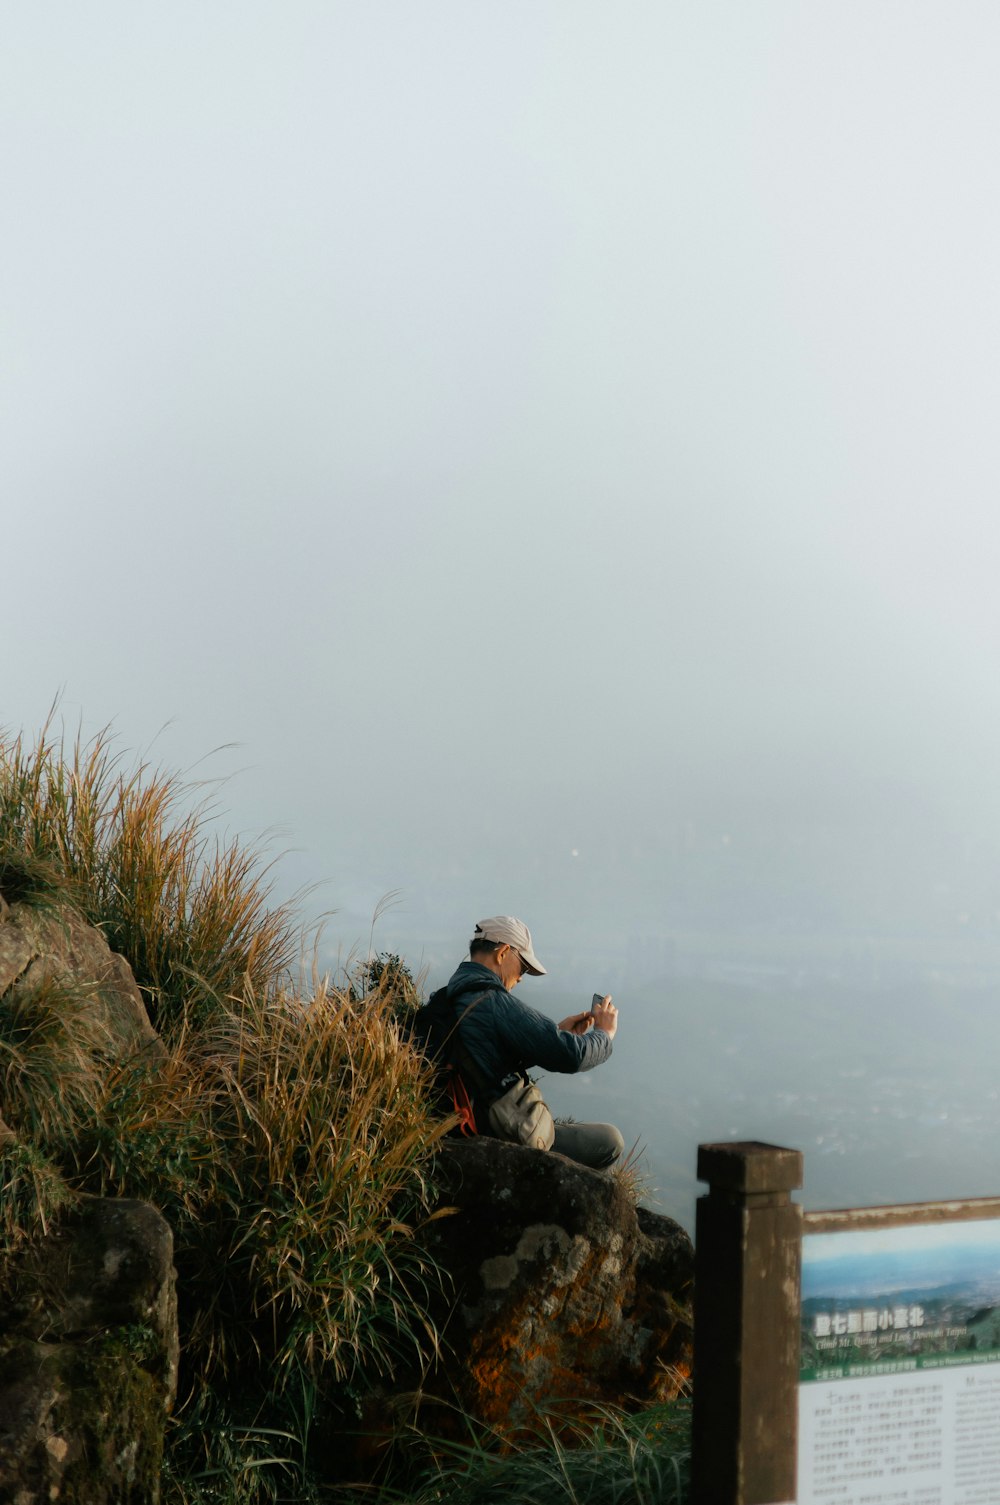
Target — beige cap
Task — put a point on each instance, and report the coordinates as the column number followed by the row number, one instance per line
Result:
column 505, row 929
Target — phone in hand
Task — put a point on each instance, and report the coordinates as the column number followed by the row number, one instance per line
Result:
column 598, row 998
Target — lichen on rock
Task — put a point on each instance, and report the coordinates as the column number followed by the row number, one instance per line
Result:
column 564, row 1290
column 88, row 1360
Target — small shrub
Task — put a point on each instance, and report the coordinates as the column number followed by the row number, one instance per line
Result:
column 32, row 1194
column 388, row 978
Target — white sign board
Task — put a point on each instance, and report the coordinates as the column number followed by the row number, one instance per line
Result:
column 899, row 1394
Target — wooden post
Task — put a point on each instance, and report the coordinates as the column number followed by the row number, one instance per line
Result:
column 746, row 1325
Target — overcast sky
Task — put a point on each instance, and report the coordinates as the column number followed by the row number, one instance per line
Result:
column 557, row 442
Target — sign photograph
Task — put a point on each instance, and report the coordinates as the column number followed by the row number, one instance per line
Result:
column 899, row 1394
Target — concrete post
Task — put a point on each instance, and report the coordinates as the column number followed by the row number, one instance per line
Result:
column 746, row 1325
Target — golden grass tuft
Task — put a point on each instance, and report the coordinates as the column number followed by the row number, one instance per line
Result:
column 189, row 911
column 632, row 1174
column 54, row 1052
column 324, row 1113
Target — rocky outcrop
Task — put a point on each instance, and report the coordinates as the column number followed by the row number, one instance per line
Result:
column 54, row 944
column 564, row 1291
column 88, row 1360
column 88, row 1319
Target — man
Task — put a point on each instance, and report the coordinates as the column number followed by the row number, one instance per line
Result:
column 505, row 1038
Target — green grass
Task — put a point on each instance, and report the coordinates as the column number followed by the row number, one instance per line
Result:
column 32, row 1194
column 614, row 1459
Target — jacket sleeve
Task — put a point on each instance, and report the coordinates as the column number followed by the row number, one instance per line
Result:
column 538, row 1041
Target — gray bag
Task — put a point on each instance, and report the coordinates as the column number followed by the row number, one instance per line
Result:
column 521, row 1116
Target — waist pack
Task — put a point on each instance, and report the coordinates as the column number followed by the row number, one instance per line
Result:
column 522, row 1117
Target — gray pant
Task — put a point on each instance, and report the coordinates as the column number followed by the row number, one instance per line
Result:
column 596, row 1145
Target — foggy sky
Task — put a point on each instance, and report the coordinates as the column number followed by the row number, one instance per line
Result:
column 556, row 442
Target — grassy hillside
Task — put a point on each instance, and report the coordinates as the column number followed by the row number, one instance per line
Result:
column 288, row 1138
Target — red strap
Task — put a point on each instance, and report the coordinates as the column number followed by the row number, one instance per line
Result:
column 461, row 1104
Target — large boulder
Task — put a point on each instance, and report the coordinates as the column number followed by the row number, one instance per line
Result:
column 564, row 1290
column 88, row 1359
column 53, row 943
column 88, row 1318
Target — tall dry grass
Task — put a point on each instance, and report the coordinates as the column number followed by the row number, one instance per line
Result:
column 54, row 1055
column 287, row 1137
column 133, row 847
column 324, row 1113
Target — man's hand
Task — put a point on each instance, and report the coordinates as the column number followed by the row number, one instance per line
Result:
column 605, row 1016
column 578, row 1024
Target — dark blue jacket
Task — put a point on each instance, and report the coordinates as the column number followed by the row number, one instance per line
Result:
column 505, row 1037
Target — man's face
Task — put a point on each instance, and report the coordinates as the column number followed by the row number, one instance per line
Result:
column 512, row 968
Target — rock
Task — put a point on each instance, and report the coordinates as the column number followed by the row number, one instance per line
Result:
column 88, row 1360
column 54, row 943
column 88, row 1316
column 564, row 1291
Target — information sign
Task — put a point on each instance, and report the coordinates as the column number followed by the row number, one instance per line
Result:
column 899, row 1393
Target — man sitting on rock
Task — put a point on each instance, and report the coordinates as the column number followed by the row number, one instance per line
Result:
column 501, row 1039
